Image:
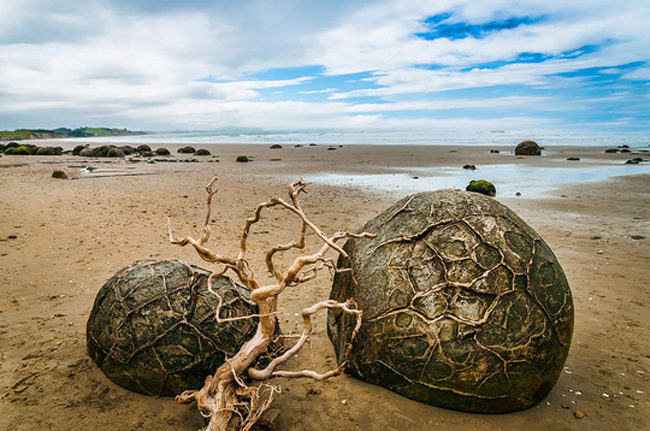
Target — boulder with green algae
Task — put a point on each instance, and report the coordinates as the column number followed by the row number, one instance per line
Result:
column 482, row 186
column 152, row 328
column 464, row 305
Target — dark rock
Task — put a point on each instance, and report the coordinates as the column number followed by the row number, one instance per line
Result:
column 115, row 152
column 18, row 151
column 495, row 151
column 625, row 150
column 313, row 145
column 186, row 150
column 623, row 146
column 465, row 306
column 101, row 151
column 611, row 150
column 482, row 186
column 528, row 148
column 276, row 146
column 573, row 159
column 59, row 174
column 128, row 150
column 202, row 152
column 243, row 159
column 77, row 150
column 331, row 149
column 12, row 144
column 143, row 148
column 45, row 151
column 152, row 327
column 470, row 167
column 162, row 152
column 87, row 152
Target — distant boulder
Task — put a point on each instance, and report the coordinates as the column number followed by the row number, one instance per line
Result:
column 143, row 148
column 162, row 152
column 483, row 187
column 625, row 150
column 495, row 151
column 101, row 151
column 202, row 152
column 77, row 149
column 528, row 148
column 276, row 146
column 470, row 167
column 611, row 150
column 115, row 152
column 127, row 149
column 186, row 150
column 60, row 175
column 573, row 159
column 87, row 152
column 45, row 151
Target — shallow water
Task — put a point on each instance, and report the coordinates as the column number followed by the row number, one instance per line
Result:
column 508, row 178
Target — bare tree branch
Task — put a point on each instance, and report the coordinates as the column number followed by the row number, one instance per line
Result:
column 225, row 397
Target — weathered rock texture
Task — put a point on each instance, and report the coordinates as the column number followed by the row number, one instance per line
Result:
column 528, row 148
column 465, row 306
column 153, row 330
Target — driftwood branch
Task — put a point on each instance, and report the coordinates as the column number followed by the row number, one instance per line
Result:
column 225, row 397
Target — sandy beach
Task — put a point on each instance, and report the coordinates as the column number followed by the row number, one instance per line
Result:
column 60, row 240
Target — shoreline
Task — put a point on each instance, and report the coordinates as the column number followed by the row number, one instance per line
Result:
column 71, row 236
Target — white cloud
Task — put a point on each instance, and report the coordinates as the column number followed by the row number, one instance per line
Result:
column 140, row 64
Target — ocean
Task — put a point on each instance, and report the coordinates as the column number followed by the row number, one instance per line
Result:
column 448, row 137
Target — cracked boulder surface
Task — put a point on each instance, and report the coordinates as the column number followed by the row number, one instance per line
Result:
column 153, row 329
column 465, row 306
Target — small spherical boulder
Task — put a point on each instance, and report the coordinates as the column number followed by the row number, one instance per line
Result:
column 87, row 152
column 152, row 328
column 464, row 305
column 202, row 152
column 528, row 148
column 483, row 187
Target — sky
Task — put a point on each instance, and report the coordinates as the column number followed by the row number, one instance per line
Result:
column 320, row 65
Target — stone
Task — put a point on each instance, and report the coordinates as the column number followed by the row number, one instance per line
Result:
column 482, row 186
column 152, row 328
column 202, row 152
column 464, row 305
column 528, row 148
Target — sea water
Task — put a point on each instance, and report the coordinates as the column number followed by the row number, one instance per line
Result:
column 442, row 137
column 509, row 179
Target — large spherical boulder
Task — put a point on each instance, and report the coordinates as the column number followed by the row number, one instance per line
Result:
column 528, row 148
column 153, row 329
column 465, row 306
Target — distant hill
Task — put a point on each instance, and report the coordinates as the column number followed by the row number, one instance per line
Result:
column 64, row 132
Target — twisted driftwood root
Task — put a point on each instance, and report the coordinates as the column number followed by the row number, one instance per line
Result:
column 226, row 399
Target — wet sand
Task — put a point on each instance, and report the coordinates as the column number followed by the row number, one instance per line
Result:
column 72, row 235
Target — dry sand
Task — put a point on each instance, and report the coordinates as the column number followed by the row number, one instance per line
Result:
column 72, row 235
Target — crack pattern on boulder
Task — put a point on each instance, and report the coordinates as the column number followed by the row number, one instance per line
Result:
column 465, row 306
column 153, row 328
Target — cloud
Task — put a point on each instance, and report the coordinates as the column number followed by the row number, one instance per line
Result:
column 296, row 63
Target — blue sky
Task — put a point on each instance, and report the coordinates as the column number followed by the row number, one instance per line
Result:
column 303, row 64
